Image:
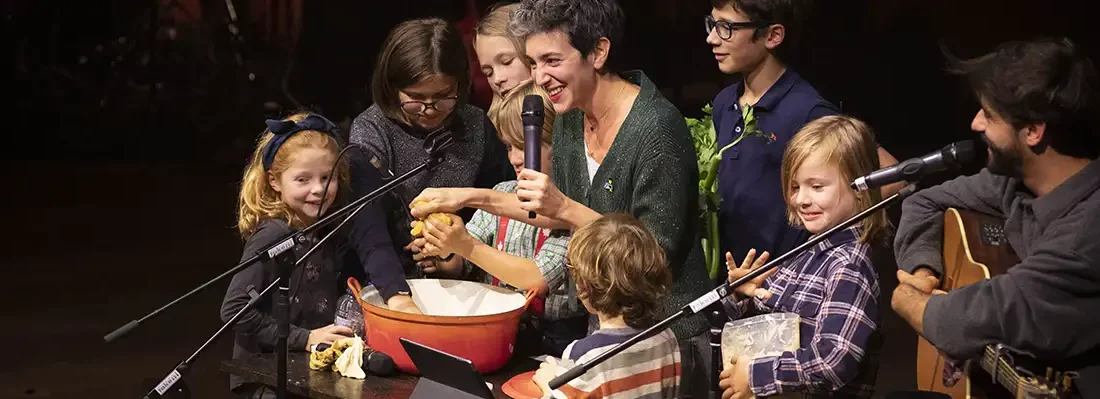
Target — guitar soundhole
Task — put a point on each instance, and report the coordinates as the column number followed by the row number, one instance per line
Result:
column 992, row 233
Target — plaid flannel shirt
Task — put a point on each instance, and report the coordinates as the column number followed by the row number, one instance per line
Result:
column 561, row 301
column 834, row 289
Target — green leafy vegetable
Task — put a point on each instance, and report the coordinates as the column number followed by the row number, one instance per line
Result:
column 708, row 156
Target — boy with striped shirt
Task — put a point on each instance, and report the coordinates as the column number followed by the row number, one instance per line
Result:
column 620, row 272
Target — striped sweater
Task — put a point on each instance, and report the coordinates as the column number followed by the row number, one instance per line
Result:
column 648, row 370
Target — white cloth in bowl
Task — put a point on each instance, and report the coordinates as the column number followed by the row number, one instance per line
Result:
column 439, row 297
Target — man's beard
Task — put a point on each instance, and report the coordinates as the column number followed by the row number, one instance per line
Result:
column 1004, row 161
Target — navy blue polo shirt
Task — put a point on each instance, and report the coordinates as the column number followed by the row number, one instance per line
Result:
column 752, row 213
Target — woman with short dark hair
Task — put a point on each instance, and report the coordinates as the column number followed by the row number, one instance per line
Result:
column 619, row 146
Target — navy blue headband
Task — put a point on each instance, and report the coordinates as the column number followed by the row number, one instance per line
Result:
column 282, row 130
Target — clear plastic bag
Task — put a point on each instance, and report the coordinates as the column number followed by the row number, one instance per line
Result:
column 764, row 335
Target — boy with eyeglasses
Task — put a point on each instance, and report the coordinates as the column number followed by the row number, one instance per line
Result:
column 750, row 37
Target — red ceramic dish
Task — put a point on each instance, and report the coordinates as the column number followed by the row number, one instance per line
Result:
column 470, row 320
column 522, row 387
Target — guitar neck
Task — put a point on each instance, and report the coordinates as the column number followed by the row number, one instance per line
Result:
column 1003, row 373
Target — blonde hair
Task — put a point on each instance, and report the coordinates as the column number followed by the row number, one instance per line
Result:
column 505, row 114
column 849, row 145
column 620, row 268
column 495, row 23
column 258, row 201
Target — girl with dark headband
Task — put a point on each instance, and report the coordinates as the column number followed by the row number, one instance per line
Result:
column 293, row 176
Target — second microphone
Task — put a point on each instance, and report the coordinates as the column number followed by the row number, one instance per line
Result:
column 532, row 134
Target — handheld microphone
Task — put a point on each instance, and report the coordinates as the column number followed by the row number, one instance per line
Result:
column 913, row 169
column 375, row 362
column 532, row 134
column 378, row 363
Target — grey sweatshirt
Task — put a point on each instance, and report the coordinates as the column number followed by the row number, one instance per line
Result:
column 1049, row 303
column 478, row 159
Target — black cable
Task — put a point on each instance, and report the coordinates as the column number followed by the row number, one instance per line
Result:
column 324, row 195
column 429, row 140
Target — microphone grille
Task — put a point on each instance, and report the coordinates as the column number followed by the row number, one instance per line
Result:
column 380, row 364
column 532, row 109
column 964, row 151
column 532, row 103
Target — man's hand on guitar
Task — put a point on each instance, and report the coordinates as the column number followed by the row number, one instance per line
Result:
column 922, row 279
column 911, row 296
column 924, row 271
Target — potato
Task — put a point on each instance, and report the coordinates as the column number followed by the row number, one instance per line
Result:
column 418, row 225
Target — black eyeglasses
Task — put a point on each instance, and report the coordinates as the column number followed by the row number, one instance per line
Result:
column 726, row 28
column 418, row 107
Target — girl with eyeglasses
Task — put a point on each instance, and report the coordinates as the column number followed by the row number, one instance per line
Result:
column 421, row 86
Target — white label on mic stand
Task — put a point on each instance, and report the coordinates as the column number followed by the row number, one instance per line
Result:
column 168, row 381
column 704, row 301
column 282, row 247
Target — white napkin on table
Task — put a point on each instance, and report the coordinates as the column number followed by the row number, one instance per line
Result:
column 350, row 362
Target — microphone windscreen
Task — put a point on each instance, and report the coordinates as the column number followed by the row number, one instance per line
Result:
column 380, row 364
column 532, row 110
column 964, row 151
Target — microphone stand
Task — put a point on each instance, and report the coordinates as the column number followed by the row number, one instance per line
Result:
column 723, row 291
column 716, row 319
column 434, row 144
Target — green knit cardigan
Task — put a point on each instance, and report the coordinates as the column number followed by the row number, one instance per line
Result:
column 649, row 172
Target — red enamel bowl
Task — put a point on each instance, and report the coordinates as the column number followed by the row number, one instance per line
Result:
column 467, row 319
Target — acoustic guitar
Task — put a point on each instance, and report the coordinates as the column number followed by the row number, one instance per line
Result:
column 974, row 249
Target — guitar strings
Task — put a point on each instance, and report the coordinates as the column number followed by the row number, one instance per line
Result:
column 1012, row 381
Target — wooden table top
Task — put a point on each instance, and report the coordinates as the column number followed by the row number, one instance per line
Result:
column 331, row 385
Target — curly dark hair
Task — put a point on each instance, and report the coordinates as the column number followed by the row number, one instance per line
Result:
column 583, row 21
column 1046, row 80
column 620, row 268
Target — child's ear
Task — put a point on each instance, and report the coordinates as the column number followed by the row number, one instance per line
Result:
column 775, row 34
column 274, row 182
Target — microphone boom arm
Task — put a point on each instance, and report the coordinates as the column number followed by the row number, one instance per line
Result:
column 435, row 144
column 724, row 290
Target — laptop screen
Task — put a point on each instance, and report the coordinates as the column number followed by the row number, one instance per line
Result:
column 445, row 369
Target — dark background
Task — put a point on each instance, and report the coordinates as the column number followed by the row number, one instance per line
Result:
column 124, row 199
